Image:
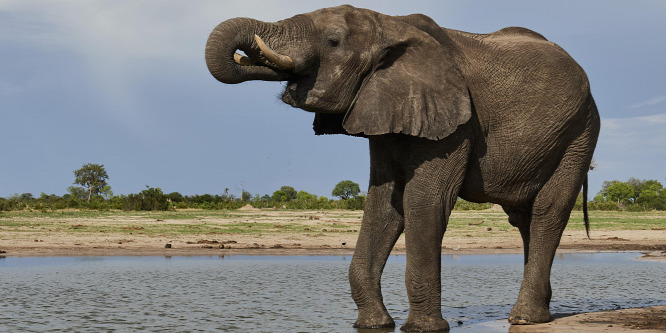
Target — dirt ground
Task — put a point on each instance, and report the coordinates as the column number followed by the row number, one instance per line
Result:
column 312, row 233
column 255, row 231
column 644, row 320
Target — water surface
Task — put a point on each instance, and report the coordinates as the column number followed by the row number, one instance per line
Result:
column 291, row 293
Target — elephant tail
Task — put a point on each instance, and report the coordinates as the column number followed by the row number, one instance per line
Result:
column 586, row 218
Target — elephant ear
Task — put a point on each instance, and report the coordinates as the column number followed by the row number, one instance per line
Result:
column 416, row 89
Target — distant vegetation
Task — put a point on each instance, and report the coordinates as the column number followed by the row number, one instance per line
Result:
column 93, row 177
column 633, row 195
column 152, row 198
column 96, row 194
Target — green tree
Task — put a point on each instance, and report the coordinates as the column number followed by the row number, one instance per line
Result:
column 635, row 183
column 289, row 191
column 152, row 198
column 279, row 196
column 650, row 195
column 640, row 186
column 266, row 198
column 304, row 200
column 106, row 192
column 620, row 192
column 603, row 193
column 662, row 198
column 93, row 177
column 77, row 192
column 175, row 197
column 26, row 197
column 346, row 189
column 246, row 196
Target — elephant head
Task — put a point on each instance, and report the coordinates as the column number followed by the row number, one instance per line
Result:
column 361, row 72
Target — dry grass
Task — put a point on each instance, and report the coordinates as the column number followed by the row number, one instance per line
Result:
column 294, row 229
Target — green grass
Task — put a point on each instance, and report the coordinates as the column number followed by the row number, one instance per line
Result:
column 622, row 220
column 599, row 220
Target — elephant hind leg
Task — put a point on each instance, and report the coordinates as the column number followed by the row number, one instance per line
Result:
column 550, row 213
column 520, row 218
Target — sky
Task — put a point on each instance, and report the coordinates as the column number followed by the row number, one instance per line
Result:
column 125, row 84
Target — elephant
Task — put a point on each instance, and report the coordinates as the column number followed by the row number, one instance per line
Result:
column 505, row 117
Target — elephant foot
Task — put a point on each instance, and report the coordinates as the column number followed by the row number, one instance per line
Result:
column 426, row 325
column 527, row 315
column 374, row 319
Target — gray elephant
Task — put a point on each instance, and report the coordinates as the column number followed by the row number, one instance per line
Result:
column 505, row 117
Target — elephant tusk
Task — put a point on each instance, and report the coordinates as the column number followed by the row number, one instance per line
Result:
column 243, row 60
column 282, row 61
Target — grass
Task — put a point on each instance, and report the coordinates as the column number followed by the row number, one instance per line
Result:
column 174, row 223
column 186, row 222
column 653, row 220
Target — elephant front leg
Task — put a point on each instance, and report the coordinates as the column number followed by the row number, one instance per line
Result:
column 424, row 229
column 381, row 226
column 435, row 174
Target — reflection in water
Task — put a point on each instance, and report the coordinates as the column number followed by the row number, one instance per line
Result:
column 291, row 293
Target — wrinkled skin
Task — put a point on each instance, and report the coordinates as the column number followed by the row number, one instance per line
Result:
column 505, row 117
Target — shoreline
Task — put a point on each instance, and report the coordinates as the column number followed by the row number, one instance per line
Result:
column 649, row 253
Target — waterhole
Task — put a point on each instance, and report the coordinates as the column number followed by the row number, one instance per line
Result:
column 292, row 293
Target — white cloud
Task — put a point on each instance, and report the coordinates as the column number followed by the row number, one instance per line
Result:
column 631, row 134
column 631, row 147
column 650, row 102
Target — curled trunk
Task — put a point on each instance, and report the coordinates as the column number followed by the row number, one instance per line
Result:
column 238, row 34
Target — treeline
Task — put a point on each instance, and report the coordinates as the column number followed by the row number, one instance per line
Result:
column 633, row 195
column 94, row 193
column 153, row 198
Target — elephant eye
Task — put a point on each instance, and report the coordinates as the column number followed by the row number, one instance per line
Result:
column 333, row 42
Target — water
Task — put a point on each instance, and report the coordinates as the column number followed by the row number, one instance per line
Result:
column 291, row 293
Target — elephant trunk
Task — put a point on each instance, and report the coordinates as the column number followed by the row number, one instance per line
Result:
column 239, row 34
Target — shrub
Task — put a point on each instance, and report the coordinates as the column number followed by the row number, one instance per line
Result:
column 354, row 203
column 462, row 204
column 601, row 205
column 149, row 199
column 637, row 208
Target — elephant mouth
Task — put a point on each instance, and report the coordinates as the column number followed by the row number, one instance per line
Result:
column 301, row 93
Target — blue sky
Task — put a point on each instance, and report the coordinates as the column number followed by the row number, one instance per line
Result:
column 124, row 84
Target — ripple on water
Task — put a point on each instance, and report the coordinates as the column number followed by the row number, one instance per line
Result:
column 298, row 294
